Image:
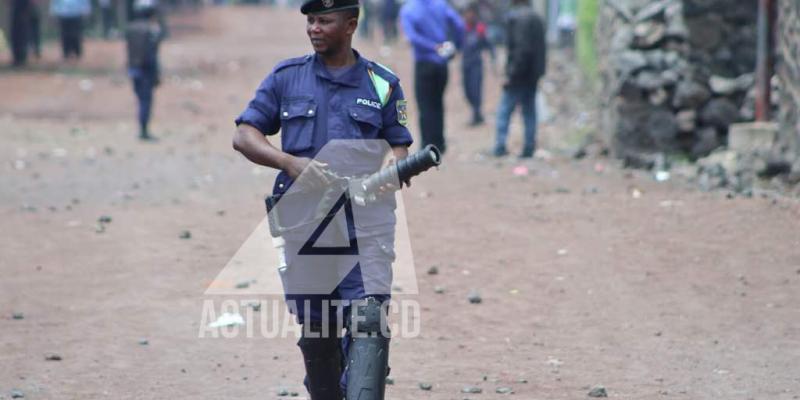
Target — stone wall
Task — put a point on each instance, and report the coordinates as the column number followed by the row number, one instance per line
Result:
column 675, row 73
column 788, row 69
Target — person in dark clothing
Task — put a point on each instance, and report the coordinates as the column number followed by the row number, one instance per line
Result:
column 20, row 30
column 524, row 67
column 475, row 42
column 70, row 14
column 143, row 37
column 108, row 19
column 389, row 14
column 435, row 31
column 36, row 28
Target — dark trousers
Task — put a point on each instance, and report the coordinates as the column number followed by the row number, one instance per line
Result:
column 107, row 14
column 144, row 81
column 36, row 32
column 20, row 30
column 430, row 80
column 473, row 88
column 71, row 36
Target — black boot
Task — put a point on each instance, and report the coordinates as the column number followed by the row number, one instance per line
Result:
column 323, row 361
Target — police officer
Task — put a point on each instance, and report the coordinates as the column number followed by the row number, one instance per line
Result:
column 143, row 37
column 334, row 93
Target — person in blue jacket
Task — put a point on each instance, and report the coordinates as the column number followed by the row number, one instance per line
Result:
column 70, row 14
column 435, row 31
column 316, row 101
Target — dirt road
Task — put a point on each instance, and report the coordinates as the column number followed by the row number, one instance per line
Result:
column 589, row 274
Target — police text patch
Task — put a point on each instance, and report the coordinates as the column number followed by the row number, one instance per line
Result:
column 369, row 103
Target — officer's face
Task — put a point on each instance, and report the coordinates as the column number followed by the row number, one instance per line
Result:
column 329, row 32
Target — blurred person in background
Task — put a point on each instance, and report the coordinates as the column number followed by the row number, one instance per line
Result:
column 36, row 28
column 367, row 14
column 21, row 11
column 70, row 14
column 389, row 13
column 143, row 37
column 475, row 43
column 525, row 65
column 107, row 8
column 435, row 31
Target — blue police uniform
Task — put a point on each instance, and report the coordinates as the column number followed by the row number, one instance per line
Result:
column 311, row 107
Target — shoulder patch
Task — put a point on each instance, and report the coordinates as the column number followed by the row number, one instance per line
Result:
column 384, row 72
column 291, row 62
column 402, row 112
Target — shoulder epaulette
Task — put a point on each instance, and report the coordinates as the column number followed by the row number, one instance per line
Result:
column 292, row 62
column 384, row 81
column 384, row 72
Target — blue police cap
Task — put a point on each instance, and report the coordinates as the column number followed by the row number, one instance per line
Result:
column 326, row 6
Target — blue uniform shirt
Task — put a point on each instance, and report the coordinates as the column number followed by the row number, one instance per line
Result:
column 427, row 24
column 310, row 107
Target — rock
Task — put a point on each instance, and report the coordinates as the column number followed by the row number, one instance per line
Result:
column 474, row 297
column 687, row 120
column 471, row 390
column 638, row 160
column 793, row 178
column 649, row 80
column 622, row 39
column 651, row 11
column 707, row 141
column 629, row 62
column 504, row 390
column 17, row 394
column 598, row 391
column 185, row 235
column 52, row 357
column 720, row 113
column 662, row 127
column 17, row 315
column 656, row 59
column 433, row 270
column 648, row 34
column 706, row 32
column 658, row 97
column 690, row 94
column 243, row 285
column 726, row 86
column 670, row 77
column 774, row 168
column 425, row 386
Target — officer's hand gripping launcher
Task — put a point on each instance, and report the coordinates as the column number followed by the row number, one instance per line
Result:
column 362, row 191
column 366, row 190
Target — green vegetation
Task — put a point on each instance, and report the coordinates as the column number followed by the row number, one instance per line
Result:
column 587, row 18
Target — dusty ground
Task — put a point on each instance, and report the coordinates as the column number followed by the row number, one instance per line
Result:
column 673, row 293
